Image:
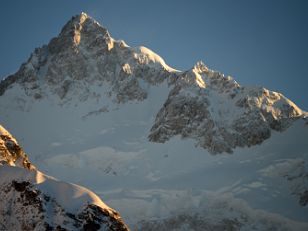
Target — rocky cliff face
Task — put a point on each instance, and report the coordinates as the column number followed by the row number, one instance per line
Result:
column 85, row 63
column 219, row 113
column 10, row 151
column 31, row 200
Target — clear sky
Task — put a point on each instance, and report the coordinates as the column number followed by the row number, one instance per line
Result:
column 258, row 42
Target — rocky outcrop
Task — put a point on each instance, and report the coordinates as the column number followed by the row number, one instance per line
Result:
column 219, row 113
column 10, row 151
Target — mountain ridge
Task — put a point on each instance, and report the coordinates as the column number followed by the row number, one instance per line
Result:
column 31, row 200
column 84, row 62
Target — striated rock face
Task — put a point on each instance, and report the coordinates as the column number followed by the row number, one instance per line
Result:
column 84, row 63
column 31, row 200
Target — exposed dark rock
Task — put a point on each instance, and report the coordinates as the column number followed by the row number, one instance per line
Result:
column 303, row 201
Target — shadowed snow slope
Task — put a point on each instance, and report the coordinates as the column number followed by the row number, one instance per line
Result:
column 88, row 105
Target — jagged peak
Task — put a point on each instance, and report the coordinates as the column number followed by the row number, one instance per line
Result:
column 80, row 20
column 82, row 17
column 83, row 14
column 200, row 67
column 195, row 75
column 82, row 24
column 78, row 27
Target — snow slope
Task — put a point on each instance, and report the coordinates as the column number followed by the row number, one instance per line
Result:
column 31, row 200
column 93, row 105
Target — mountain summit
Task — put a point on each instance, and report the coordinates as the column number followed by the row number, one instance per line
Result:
column 81, row 30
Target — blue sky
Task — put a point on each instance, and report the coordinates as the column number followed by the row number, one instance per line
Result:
column 262, row 42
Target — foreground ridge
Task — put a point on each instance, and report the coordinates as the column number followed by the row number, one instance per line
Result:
column 31, row 200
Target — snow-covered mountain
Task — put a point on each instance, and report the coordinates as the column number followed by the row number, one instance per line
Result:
column 85, row 63
column 31, row 200
column 147, row 132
